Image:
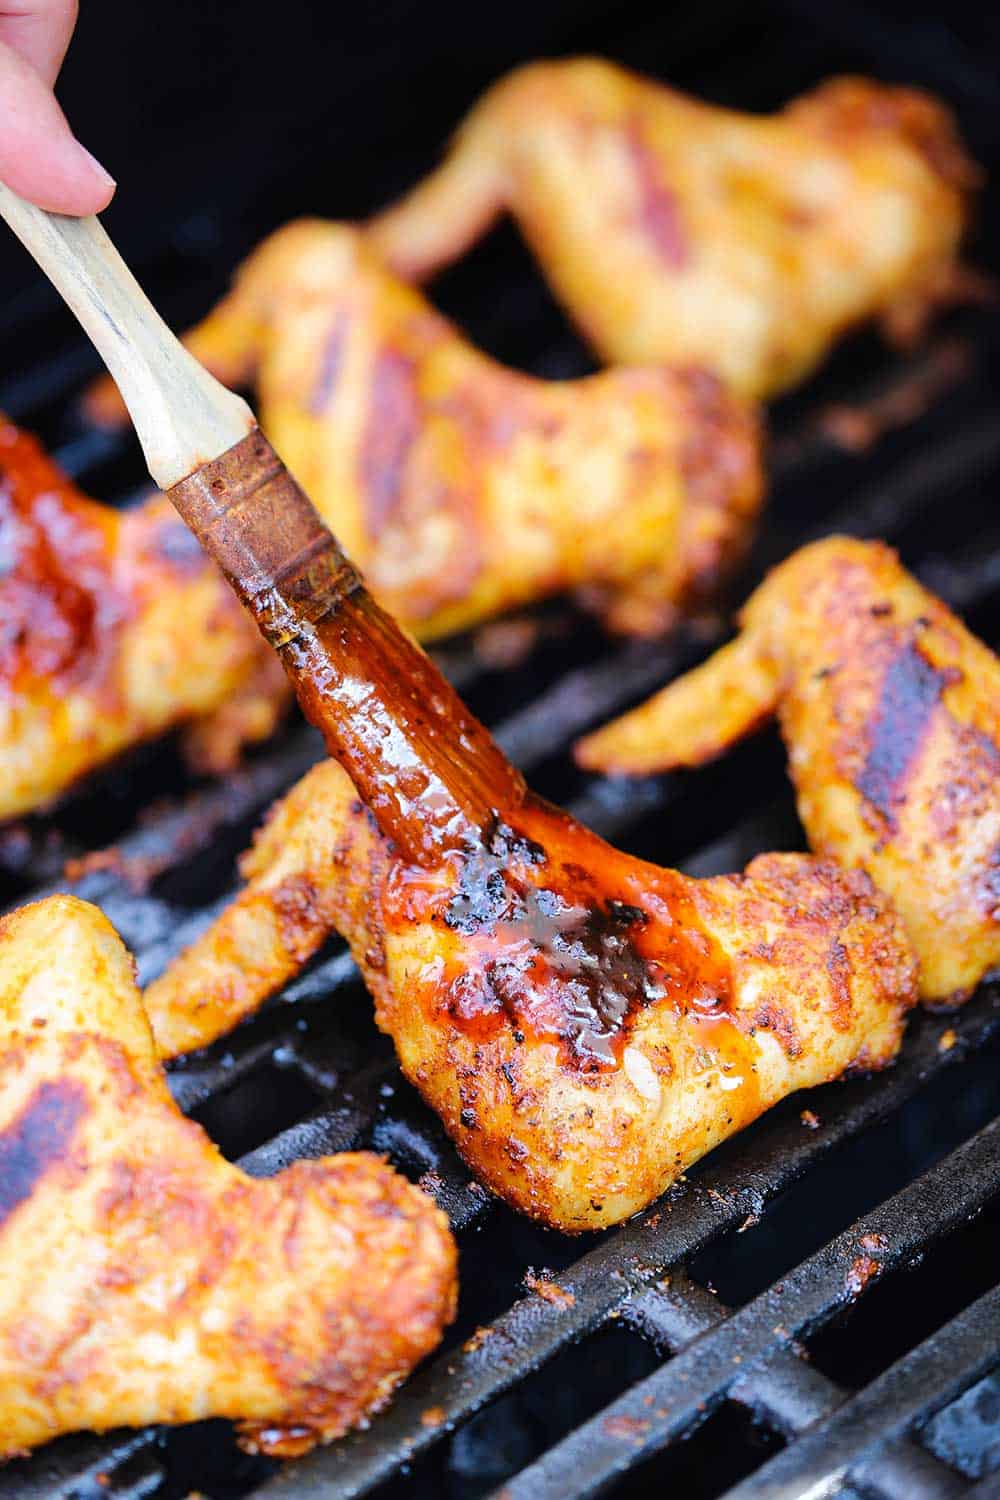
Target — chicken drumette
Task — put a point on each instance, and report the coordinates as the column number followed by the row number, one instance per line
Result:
column 586, row 1025
column 675, row 230
column 462, row 488
column 145, row 1279
column 890, row 710
column 114, row 627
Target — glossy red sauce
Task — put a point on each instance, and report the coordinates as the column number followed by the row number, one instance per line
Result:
column 58, row 604
column 563, row 939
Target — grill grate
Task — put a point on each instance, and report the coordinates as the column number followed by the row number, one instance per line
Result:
column 907, row 1159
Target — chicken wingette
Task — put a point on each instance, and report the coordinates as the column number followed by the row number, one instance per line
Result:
column 586, row 1025
column 462, row 488
column 678, row 231
column 114, row 627
column 890, row 710
column 145, row 1279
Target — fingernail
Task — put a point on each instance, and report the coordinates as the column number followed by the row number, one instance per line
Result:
column 99, row 170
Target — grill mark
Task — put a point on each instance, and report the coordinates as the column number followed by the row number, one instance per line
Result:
column 391, row 430
column 659, row 211
column 330, row 364
column 911, row 691
column 36, row 1140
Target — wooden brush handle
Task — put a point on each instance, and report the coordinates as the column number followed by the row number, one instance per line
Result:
column 428, row 770
column 183, row 416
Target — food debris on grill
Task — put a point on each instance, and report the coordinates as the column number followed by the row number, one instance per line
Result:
column 543, row 1286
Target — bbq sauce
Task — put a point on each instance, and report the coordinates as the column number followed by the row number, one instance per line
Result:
column 554, row 939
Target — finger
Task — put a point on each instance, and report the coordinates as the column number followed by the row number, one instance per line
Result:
column 40, row 158
column 39, row 31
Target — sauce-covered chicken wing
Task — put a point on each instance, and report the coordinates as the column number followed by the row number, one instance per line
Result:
column 586, row 1025
column 891, row 713
column 675, row 230
column 145, row 1279
column 114, row 627
column 462, row 488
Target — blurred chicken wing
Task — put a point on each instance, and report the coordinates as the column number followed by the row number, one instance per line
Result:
column 890, row 710
column 145, row 1279
column 114, row 627
column 678, row 231
column 462, row 488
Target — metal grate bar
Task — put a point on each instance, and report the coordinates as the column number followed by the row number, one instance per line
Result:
column 884, row 505
column 591, row 694
column 86, row 1466
column 670, row 1403
column 850, row 1443
column 784, row 1390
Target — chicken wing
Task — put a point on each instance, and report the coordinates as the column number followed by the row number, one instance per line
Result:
column 890, row 710
column 114, row 627
column 675, row 230
column 462, row 488
column 145, row 1279
column 585, row 1024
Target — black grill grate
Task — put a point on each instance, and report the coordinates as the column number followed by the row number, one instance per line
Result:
column 596, row 1389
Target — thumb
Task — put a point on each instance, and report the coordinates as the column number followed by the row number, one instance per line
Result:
column 40, row 157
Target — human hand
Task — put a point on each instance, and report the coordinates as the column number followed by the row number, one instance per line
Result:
column 40, row 157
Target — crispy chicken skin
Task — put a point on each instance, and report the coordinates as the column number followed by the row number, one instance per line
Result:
column 674, row 230
column 114, row 627
column 462, row 488
column 890, row 710
column 585, row 1024
column 145, row 1279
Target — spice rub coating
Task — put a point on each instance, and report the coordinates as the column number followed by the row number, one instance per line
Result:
column 145, row 1279
column 890, row 710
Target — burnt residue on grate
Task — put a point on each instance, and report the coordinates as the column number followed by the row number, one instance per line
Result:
column 611, row 1365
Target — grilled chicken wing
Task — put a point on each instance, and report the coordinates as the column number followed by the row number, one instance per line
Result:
column 891, row 713
column 586, row 1025
column 462, row 488
column 145, row 1279
column 675, row 230
column 113, row 628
